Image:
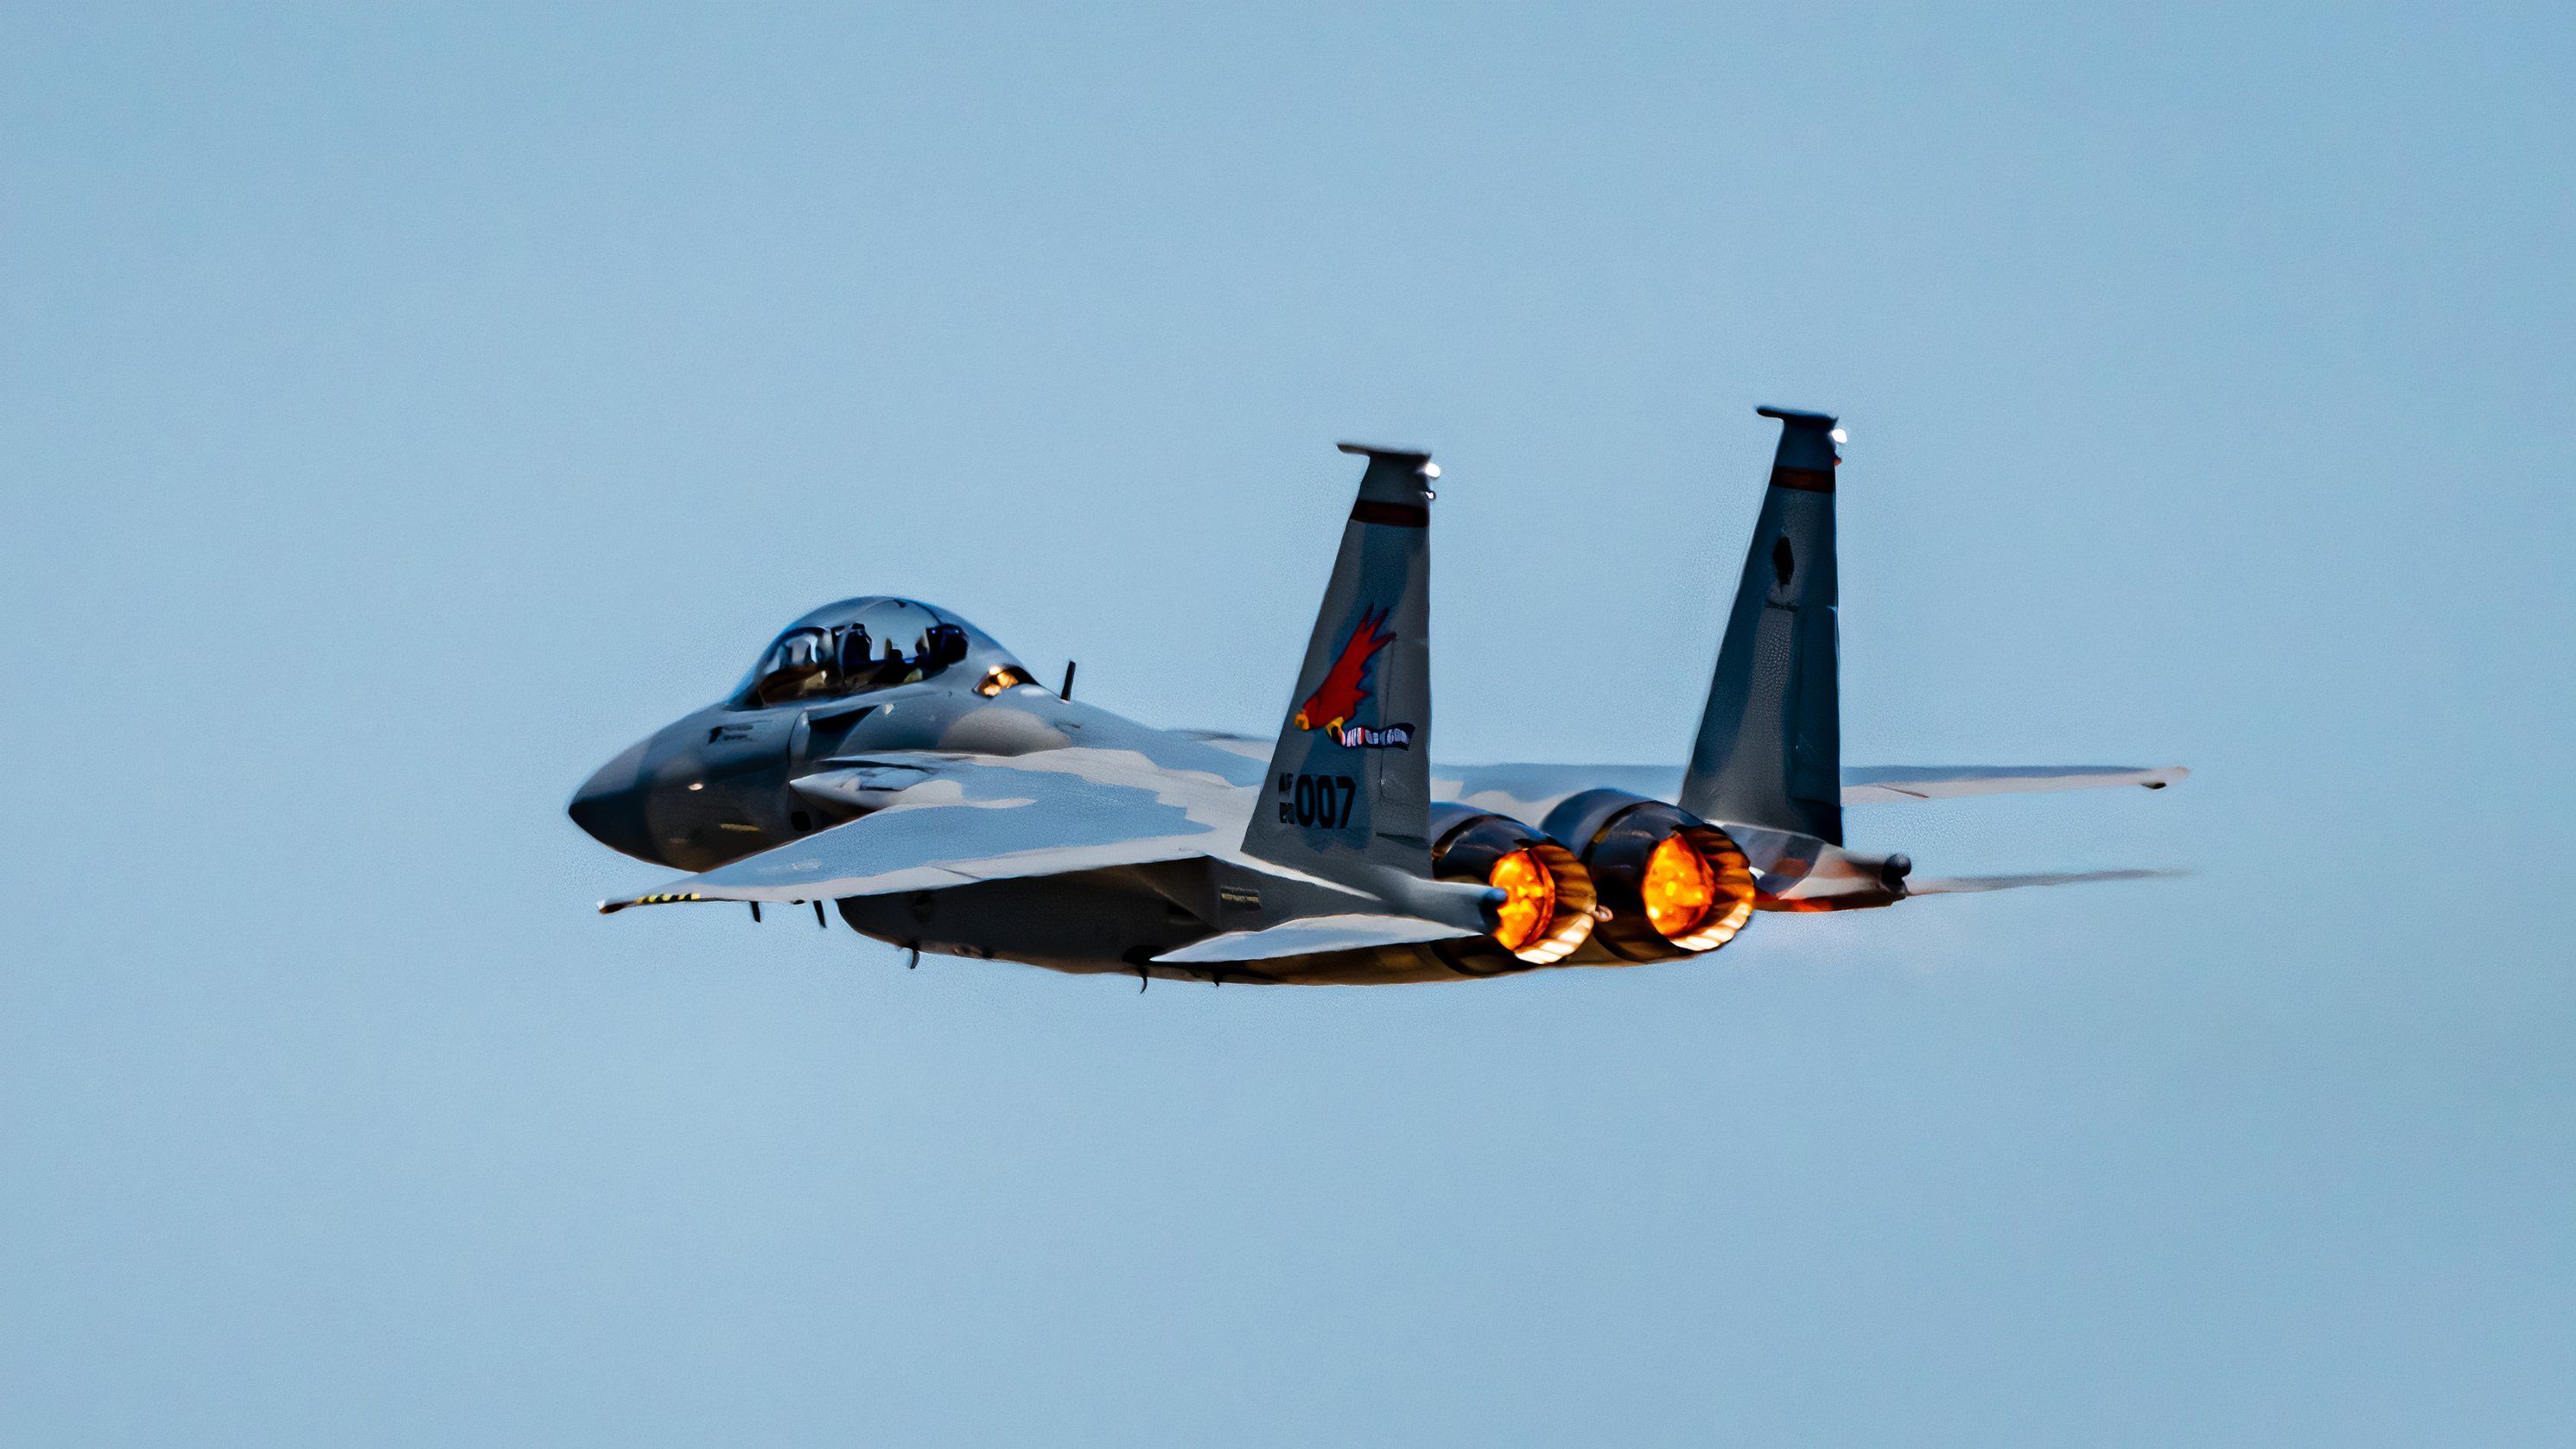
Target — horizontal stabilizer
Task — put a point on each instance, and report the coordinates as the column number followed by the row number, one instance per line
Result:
column 1313, row 935
column 1967, row 884
column 1887, row 784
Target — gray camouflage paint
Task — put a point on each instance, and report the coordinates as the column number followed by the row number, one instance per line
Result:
column 1367, row 678
column 1769, row 748
column 1007, row 823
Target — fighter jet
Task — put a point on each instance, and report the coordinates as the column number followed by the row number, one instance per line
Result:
column 891, row 761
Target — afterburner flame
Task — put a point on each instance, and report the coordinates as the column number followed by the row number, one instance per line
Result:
column 1529, row 904
column 1679, row 890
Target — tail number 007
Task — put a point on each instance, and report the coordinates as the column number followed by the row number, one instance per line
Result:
column 1323, row 800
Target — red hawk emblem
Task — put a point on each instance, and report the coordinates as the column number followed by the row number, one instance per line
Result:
column 1345, row 686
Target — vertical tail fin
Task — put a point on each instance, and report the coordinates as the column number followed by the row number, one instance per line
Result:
column 1349, row 789
column 1769, row 750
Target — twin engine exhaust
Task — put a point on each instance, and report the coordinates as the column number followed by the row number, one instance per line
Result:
column 1613, row 877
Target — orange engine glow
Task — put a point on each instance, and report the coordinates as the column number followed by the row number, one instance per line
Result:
column 1529, row 903
column 1678, row 889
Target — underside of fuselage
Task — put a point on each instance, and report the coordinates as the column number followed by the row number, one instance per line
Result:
column 1116, row 921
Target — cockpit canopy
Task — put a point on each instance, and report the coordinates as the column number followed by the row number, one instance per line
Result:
column 858, row 645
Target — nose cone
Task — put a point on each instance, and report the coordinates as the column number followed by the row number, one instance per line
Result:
column 610, row 805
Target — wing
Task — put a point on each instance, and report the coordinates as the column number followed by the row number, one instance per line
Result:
column 1886, row 784
column 1528, row 792
column 1964, row 884
column 959, row 819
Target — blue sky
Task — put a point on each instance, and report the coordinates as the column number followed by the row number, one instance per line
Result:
column 403, row 411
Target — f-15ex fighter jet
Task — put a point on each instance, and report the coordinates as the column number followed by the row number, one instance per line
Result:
column 889, row 758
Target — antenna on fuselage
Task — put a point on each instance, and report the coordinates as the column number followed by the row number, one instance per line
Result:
column 1066, row 693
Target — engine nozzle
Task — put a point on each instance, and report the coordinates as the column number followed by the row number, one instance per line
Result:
column 1669, row 883
column 1546, row 913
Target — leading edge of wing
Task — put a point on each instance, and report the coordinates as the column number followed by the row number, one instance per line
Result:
column 1969, row 884
column 1888, row 784
column 986, row 818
